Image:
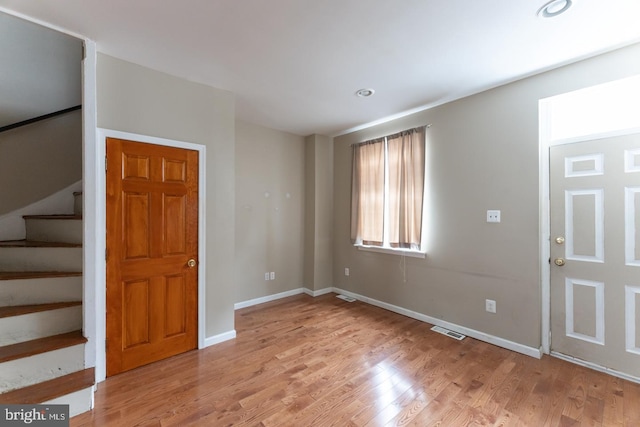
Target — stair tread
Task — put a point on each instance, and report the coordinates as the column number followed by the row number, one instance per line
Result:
column 37, row 244
column 13, row 275
column 60, row 216
column 18, row 310
column 40, row 345
column 50, row 389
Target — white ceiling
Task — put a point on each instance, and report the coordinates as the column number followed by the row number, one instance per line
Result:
column 295, row 65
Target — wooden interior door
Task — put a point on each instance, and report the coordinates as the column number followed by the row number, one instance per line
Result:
column 595, row 252
column 152, row 247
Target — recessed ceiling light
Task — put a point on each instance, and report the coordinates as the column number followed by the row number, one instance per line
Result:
column 554, row 8
column 365, row 92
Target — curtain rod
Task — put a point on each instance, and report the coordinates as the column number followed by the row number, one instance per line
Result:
column 427, row 126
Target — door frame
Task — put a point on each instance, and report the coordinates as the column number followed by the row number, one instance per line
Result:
column 548, row 119
column 99, row 234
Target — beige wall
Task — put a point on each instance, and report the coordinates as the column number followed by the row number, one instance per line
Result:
column 482, row 154
column 269, row 231
column 135, row 99
column 318, row 259
column 309, row 211
column 40, row 159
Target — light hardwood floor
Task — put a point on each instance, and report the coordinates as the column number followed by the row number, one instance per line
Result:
column 304, row 361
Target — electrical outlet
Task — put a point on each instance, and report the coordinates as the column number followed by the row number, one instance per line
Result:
column 266, row 276
column 273, row 275
column 490, row 306
column 346, row 271
column 493, row 216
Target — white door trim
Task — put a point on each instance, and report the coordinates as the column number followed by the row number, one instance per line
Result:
column 90, row 213
column 100, row 234
column 546, row 141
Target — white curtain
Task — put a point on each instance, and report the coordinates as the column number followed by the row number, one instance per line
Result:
column 367, row 193
column 406, row 152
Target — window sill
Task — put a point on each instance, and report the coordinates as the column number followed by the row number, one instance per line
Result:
column 391, row 251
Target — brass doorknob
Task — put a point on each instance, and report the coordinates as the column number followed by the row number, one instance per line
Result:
column 560, row 240
column 191, row 263
column 559, row 262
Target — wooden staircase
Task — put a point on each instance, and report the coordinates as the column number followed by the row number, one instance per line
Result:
column 41, row 338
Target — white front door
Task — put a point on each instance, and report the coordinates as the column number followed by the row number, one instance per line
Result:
column 595, row 251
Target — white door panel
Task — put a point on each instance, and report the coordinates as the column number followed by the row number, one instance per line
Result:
column 584, row 225
column 595, row 215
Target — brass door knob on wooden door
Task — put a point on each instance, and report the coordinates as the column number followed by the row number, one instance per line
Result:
column 191, row 263
column 559, row 262
column 560, row 240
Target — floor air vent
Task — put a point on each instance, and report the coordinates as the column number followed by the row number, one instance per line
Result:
column 448, row 333
column 346, row 298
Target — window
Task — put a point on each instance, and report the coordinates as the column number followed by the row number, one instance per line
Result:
column 387, row 191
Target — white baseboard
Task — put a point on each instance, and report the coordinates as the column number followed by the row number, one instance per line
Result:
column 318, row 292
column 280, row 295
column 268, row 298
column 491, row 339
column 596, row 367
column 217, row 339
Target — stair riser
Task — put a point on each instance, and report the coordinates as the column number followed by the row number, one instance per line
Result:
column 40, row 259
column 54, row 230
column 32, row 326
column 41, row 367
column 40, row 291
column 79, row 401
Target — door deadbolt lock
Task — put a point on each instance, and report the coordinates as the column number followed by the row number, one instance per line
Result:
column 560, row 240
column 191, row 263
column 559, row 262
